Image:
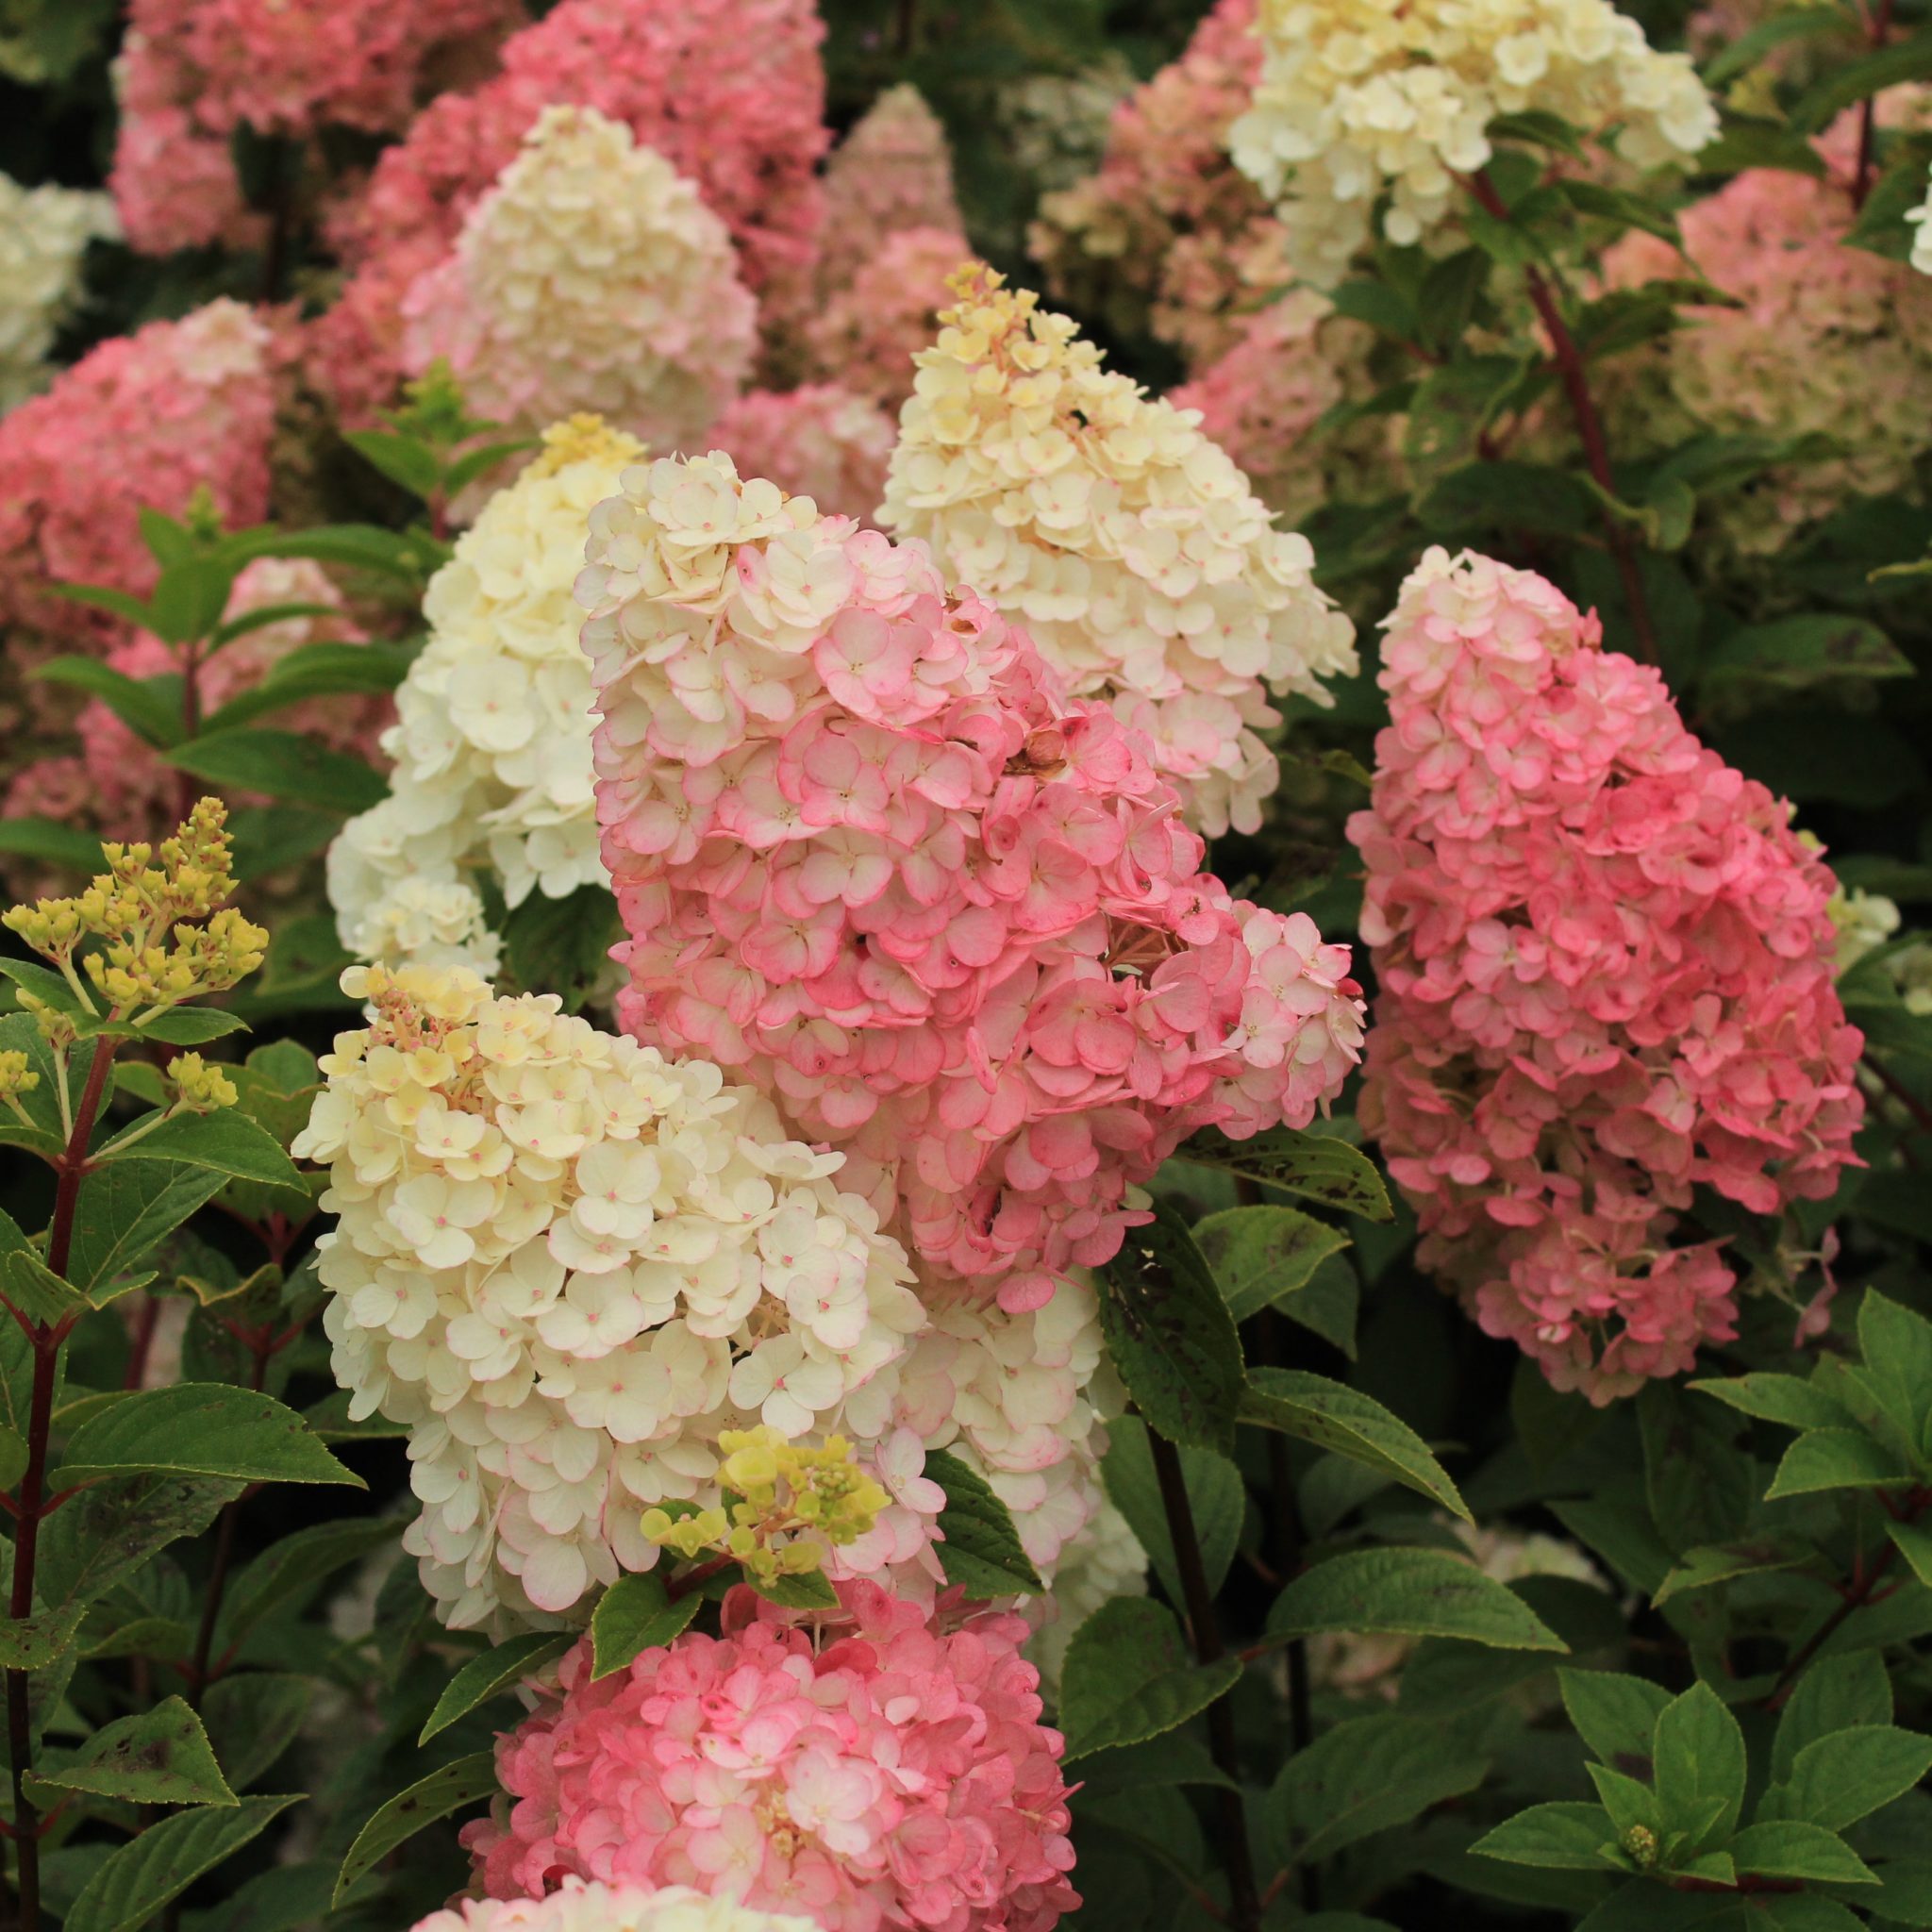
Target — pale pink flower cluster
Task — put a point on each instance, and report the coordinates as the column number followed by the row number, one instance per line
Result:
column 576, row 1907
column 117, row 783
column 882, row 1770
column 1168, row 229
column 1133, row 549
column 867, row 334
column 144, row 421
column 1605, row 965
column 192, row 71
column 822, row 441
column 892, row 171
column 730, row 93
column 1261, row 400
column 1828, row 341
column 591, row 277
column 568, row 1265
column 949, row 921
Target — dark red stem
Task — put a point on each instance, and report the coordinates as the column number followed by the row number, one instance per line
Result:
column 1861, row 177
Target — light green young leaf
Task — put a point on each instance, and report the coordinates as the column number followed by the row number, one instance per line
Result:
column 138, row 1879
column 1698, row 1756
column 1409, row 1593
column 160, row 1756
column 466, row 1781
column 1127, row 1678
column 493, row 1673
column 205, row 1429
column 634, row 1615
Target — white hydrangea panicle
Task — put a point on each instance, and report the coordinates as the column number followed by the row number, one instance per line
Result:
column 1921, row 219
column 591, row 277
column 568, row 1264
column 491, row 746
column 1104, row 1561
column 1360, row 98
column 578, row 1907
column 44, row 236
column 1129, row 546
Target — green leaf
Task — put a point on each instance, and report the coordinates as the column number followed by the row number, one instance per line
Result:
column 1835, row 1693
column 1789, row 1399
column 190, row 596
column 149, row 707
column 501, row 1670
column 264, row 616
column 124, row 1210
column 1854, row 80
column 1339, row 1418
column 1560, row 1837
column 1615, row 1714
column 1914, row 1541
column 1259, row 1255
column 1803, row 1911
column 1216, row 1498
column 456, row 1785
column 253, row 1717
column 1328, row 1305
column 135, row 1881
column 1740, row 55
column 269, row 838
column 39, row 1293
column 1717, row 1563
column 634, row 1615
column 563, row 945
column 1540, row 130
column 227, row 1144
column 404, row 459
column 1170, row 1334
column 1366, row 1776
column 315, row 671
column 1317, row 1166
column 1835, row 1459
column 48, row 843
column 31, row 1643
column 201, row 1428
column 982, row 1549
column 1173, row 1759
column 805, row 1590
column 1896, row 1343
column 1631, row 1803
column 1839, row 1779
column 1786, row 1849
column 1377, row 305
column 103, row 597
column 1619, row 204
column 362, row 546
column 1754, row 144
column 157, row 1756
column 14, row 1456
column 190, row 1025
column 1797, row 654
column 280, row 764
column 111, row 1530
column 1907, row 1899
column 1506, row 495
column 297, row 1563
column 466, row 469
column 1127, row 1678
column 1408, row 1592
column 1698, row 1756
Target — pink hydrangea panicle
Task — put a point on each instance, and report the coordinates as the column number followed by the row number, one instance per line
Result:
column 892, row 171
column 951, row 920
column 174, row 409
column 884, row 1769
column 1604, row 967
column 821, row 440
column 576, row 1907
column 866, row 331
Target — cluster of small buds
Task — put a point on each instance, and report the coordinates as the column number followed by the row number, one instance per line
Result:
column 573, row 1267
column 492, row 744
column 591, row 277
column 881, row 1767
column 199, row 1087
column 1168, row 232
column 576, row 1907
column 948, row 920
column 1606, row 973
column 1132, row 548
column 164, row 931
column 44, row 233
column 784, row 1506
column 17, row 1077
column 1358, row 99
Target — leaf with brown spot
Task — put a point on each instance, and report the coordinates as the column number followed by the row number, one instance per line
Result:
column 156, row 1756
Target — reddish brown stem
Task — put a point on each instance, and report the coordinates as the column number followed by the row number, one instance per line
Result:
column 1574, row 378
column 1861, row 177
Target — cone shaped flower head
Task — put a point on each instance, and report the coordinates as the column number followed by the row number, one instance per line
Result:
column 893, row 170
column 45, row 232
column 570, row 1266
column 591, row 277
column 947, row 919
column 1361, row 99
column 492, row 744
column 1605, row 965
column 882, row 1770
column 1132, row 548
column 576, row 1907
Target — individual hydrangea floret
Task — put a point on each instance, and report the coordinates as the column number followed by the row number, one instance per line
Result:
column 172, row 410
column 591, row 277
column 570, row 1265
column 1605, row 967
column 730, row 93
column 492, row 744
column 1132, row 548
column 576, row 1907
column 44, row 233
column 821, row 440
column 1168, row 233
column 947, row 920
column 1361, row 99
column 880, row 1769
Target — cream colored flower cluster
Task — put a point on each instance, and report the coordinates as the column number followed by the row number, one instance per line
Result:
column 43, row 235
column 569, row 1264
column 1362, row 98
column 591, row 276
column 491, row 746
column 576, row 1907
column 1130, row 546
